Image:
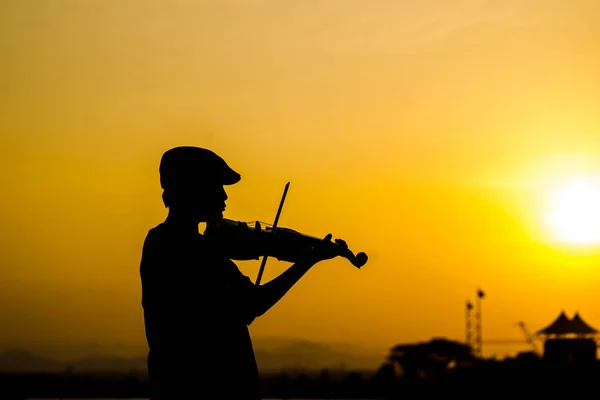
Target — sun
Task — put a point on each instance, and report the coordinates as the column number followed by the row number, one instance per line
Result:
column 574, row 213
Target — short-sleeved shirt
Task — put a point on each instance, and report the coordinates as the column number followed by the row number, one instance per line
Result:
column 197, row 308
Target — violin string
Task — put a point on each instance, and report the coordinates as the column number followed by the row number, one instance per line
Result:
column 252, row 223
column 268, row 225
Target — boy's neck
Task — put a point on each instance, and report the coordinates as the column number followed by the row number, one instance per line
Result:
column 182, row 221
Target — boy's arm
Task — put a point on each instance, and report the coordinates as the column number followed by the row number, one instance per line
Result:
column 259, row 299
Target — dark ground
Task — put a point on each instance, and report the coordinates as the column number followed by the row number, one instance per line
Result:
column 485, row 380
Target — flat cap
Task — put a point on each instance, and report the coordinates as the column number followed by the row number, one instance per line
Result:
column 185, row 165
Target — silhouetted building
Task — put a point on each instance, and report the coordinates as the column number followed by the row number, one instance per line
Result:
column 568, row 341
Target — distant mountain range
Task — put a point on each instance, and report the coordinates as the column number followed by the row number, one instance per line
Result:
column 23, row 361
column 271, row 354
column 310, row 355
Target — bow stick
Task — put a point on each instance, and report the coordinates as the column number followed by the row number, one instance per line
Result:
column 264, row 260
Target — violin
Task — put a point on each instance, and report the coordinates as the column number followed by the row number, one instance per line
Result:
column 252, row 240
column 249, row 241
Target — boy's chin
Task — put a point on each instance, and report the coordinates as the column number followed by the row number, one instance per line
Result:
column 214, row 217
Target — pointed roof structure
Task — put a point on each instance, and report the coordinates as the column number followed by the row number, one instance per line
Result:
column 565, row 326
column 560, row 326
column 581, row 326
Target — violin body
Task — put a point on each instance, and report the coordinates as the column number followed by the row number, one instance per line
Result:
column 250, row 241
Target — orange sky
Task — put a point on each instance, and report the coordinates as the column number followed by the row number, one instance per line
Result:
column 426, row 134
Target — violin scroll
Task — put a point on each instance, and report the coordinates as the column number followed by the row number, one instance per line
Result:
column 360, row 259
column 357, row 260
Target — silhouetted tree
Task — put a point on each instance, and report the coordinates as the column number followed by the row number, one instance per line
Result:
column 429, row 359
column 386, row 372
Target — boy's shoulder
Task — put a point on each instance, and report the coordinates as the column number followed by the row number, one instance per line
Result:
column 155, row 234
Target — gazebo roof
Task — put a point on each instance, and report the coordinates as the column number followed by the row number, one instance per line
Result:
column 581, row 326
column 560, row 326
column 564, row 326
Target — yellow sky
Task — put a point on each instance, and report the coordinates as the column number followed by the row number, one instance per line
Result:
column 426, row 134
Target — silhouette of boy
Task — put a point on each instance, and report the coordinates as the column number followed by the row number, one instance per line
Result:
column 197, row 304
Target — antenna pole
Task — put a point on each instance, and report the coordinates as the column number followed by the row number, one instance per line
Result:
column 478, row 328
column 468, row 339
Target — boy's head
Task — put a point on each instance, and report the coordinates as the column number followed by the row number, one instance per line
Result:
column 192, row 179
